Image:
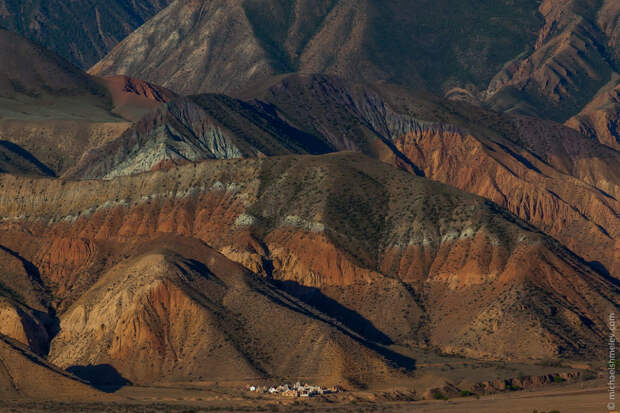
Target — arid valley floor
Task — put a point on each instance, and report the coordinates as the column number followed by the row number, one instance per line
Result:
column 569, row 398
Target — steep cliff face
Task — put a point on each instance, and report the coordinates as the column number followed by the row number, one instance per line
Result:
column 359, row 229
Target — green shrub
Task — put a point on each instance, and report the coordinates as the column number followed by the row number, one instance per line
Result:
column 437, row 395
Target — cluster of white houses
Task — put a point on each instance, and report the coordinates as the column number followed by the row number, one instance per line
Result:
column 294, row 390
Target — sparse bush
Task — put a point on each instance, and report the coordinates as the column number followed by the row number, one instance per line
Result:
column 437, row 395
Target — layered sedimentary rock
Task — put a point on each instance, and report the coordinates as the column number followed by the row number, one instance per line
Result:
column 358, row 229
column 549, row 175
column 194, row 129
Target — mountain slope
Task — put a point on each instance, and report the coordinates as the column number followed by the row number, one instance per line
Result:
column 25, row 314
column 545, row 59
column 194, row 129
column 81, row 31
column 162, row 317
column 395, row 252
column 549, row 175
column 54, row 112
column 31, row 70
column 399, row 41
column 24, row 375
column 14, row 159
column 600, row 119
column 576, row 53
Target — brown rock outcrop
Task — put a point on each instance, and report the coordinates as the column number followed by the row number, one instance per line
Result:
column 133, row 98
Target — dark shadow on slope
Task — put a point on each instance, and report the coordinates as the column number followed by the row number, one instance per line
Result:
column 21, row 152
column 258, row 124
column 31, row 269
column 282, row 298
column 349, row 318
column 519, row 158
column 49, row 319
column 599, row 268
column 102, row 377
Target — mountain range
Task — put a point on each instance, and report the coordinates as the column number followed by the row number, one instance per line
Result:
column 225, row 191
column 545, row 58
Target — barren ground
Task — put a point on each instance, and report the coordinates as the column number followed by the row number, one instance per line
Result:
column 581, row 397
